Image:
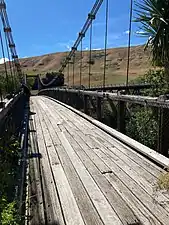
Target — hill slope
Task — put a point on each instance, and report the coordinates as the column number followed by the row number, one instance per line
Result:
column 116, row 65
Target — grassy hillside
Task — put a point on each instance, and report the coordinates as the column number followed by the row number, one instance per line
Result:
column 116, row 65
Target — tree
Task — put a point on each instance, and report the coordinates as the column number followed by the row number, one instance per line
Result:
column 154, row 18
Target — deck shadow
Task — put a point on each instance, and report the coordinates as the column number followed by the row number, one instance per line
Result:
column 35, row 155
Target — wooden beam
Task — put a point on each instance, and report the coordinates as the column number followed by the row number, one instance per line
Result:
column 121, row 117
column 140, row 100
column 163, row 140
column 86, row 110
column 99, row 108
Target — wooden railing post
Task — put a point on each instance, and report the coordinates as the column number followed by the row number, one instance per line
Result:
column 163, row 131
column 72, row 96
column 77, row 101
column 121, row 117
column 86, row 110
column 99, row 108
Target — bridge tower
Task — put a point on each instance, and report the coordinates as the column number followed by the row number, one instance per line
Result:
column 10, row 41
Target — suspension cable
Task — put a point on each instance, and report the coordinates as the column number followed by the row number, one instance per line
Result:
column 105, row 46
column 73, row 70
column 68, row 74
column 5, row 67
column 10, row 66
column 129, row 42
column 81, row 62
column 90, row 51
column 91, row 17
column 14, row 73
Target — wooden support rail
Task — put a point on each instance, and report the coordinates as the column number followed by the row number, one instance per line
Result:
column 121, row 87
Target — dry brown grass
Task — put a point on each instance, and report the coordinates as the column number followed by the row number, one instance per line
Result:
column 116, row 65
column 163, row 181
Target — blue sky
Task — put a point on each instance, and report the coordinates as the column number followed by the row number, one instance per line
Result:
column 41, row 26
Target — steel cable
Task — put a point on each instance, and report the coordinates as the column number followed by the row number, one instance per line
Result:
column 5, row 67
column 87, row 24
column 73, row 69
column 90, row 52
column 91, row 17
column 81, row 62
column 10, row 66
column 105, row 46
column 68, row 74
column 129, row 42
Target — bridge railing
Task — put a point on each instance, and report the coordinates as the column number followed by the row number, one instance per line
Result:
column 13, row 148
column 131, row 88
column 11, row 116
column 143, row 118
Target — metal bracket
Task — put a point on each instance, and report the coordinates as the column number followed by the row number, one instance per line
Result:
column 91, row 16
column 81, row 34
column 15, row 56
column 7, row 29
column 2, row 5
column 12, row 45
column 74, row 48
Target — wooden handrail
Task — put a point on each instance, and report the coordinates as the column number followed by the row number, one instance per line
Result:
column 159, row 102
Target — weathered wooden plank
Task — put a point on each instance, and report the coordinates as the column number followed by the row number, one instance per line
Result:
column 122, row 210
column 150, row 187
column 138, row 207
column 90, row 151
column 140, row 164
column 37, row 214
column 136, row 173
column 157, row 196
column 109, row 142
column 88, row 211
column 132, row 155
column 149, row 202
column 53, row 210
column 162, row 160
column 104, row 136
column 36, row 200
column 91, row 141
column 77, row 134
column 70, row 209
column 76, row 131
column 106, row 212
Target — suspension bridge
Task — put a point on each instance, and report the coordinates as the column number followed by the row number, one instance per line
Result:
column 75, row 169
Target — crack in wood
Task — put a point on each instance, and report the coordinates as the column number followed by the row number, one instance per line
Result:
column 109, row 171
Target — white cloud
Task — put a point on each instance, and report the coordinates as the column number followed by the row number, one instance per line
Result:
column 140, row 32
column 2, row 60
column 127, row 32
column 68, row 47
column 96, row 49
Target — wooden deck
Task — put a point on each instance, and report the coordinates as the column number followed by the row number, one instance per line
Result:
column 80, row 175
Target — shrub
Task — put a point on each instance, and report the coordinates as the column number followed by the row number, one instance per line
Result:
column 157, row 79
column 9, row 214
column 9, row 156
column 142, row 126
